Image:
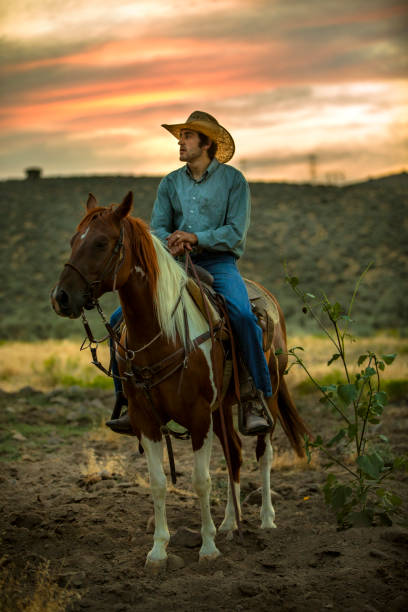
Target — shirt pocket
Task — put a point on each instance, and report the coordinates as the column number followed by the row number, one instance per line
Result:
column 214, row 211
column 205, row 204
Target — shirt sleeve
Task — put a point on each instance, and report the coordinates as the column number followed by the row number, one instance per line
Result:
column 161, row 222
column 232, row 234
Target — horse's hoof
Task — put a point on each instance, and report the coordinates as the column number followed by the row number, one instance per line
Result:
column 268, row 525
column 209, row 557
column 156, row 566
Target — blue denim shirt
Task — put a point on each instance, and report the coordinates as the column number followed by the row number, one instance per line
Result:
column 216, row 207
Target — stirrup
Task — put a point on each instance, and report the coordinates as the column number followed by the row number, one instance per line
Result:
column 121, row 400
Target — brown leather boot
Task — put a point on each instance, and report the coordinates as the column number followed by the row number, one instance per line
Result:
column 253, row 421
column 254, row 417
column 121, row 425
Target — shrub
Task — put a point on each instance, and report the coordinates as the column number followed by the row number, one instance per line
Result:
column 358, row 495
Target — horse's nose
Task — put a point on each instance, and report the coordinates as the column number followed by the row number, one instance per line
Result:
column 66, row 303
column 62, row 298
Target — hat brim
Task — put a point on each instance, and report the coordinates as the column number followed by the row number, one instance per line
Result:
column 224, row 140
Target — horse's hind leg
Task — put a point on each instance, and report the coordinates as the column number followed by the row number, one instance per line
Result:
column 234, row 444
column 202, row 486
column 264, row 455
column 157, row 557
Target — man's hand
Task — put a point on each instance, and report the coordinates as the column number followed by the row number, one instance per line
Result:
column 180, row 241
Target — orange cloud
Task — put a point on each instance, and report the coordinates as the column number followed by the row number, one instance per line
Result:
column 256, row 63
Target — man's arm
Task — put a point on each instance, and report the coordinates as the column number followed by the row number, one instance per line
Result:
column 235, row 228
column 161, row 222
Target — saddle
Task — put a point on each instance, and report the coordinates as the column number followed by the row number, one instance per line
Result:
column 262, row 304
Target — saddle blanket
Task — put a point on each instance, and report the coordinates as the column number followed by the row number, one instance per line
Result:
column 262, row 305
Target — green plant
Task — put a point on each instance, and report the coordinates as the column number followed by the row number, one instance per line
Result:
column 356, row 492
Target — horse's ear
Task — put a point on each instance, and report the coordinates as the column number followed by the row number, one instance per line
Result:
column 91, row 202
column 124, row 208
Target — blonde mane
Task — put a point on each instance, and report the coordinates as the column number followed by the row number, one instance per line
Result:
column 170, row 282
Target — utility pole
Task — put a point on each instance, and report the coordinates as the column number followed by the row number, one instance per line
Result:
column 312, row 167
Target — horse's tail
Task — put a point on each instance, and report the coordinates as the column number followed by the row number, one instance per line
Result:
column 290, row 419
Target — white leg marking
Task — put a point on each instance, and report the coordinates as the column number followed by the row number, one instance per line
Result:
column 267, row 511
column 229, row 523
column 158, row 484
column 202, row 486
column 206, row 349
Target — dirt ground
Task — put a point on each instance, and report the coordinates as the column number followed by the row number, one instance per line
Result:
column 77, row 496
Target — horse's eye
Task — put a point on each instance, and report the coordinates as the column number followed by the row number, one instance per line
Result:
column 100, row 244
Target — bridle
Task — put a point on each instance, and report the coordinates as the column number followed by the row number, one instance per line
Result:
column 91, row 285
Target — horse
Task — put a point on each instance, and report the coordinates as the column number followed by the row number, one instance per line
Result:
column 113, row 250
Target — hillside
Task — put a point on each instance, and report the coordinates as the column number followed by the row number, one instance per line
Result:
column 326, row 234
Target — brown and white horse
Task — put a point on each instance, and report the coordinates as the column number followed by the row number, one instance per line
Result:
column 111, row 249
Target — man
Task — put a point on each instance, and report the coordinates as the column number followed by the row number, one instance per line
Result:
column 204, row 207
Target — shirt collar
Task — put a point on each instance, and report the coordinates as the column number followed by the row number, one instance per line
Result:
column 210, row 170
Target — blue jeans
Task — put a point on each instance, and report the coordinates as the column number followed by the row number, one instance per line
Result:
column 228, row 281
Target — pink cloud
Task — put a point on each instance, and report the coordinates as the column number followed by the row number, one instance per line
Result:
column 233, row 65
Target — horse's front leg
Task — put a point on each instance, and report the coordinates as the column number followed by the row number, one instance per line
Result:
column 202, row 486
column 157, row 557
column 264, row 453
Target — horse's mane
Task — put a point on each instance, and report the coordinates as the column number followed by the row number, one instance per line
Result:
column 166, row 279
column 144, row 252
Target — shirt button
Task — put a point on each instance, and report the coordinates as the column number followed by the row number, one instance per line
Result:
column 193, row 197
column 191, row 211
column 189, row 226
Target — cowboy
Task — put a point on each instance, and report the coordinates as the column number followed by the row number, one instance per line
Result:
column 204, row 207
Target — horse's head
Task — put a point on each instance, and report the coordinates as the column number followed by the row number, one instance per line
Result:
column 98, row 263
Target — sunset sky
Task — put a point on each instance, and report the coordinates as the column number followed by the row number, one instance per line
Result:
column 86, row 85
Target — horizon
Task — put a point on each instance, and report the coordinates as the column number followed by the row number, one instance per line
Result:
column 310, row 91
column 85, row 176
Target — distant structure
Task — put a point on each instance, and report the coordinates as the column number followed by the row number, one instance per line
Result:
column 33, row 173
column 335, row 177
column 313, row 167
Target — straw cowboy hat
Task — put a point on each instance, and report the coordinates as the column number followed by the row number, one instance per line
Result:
column 199, row 121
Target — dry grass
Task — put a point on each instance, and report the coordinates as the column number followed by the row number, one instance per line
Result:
column 95, row 469
column 45, row 595
column 43, row 365
column 318, row 350
column 288, row 460
column 50, row 363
